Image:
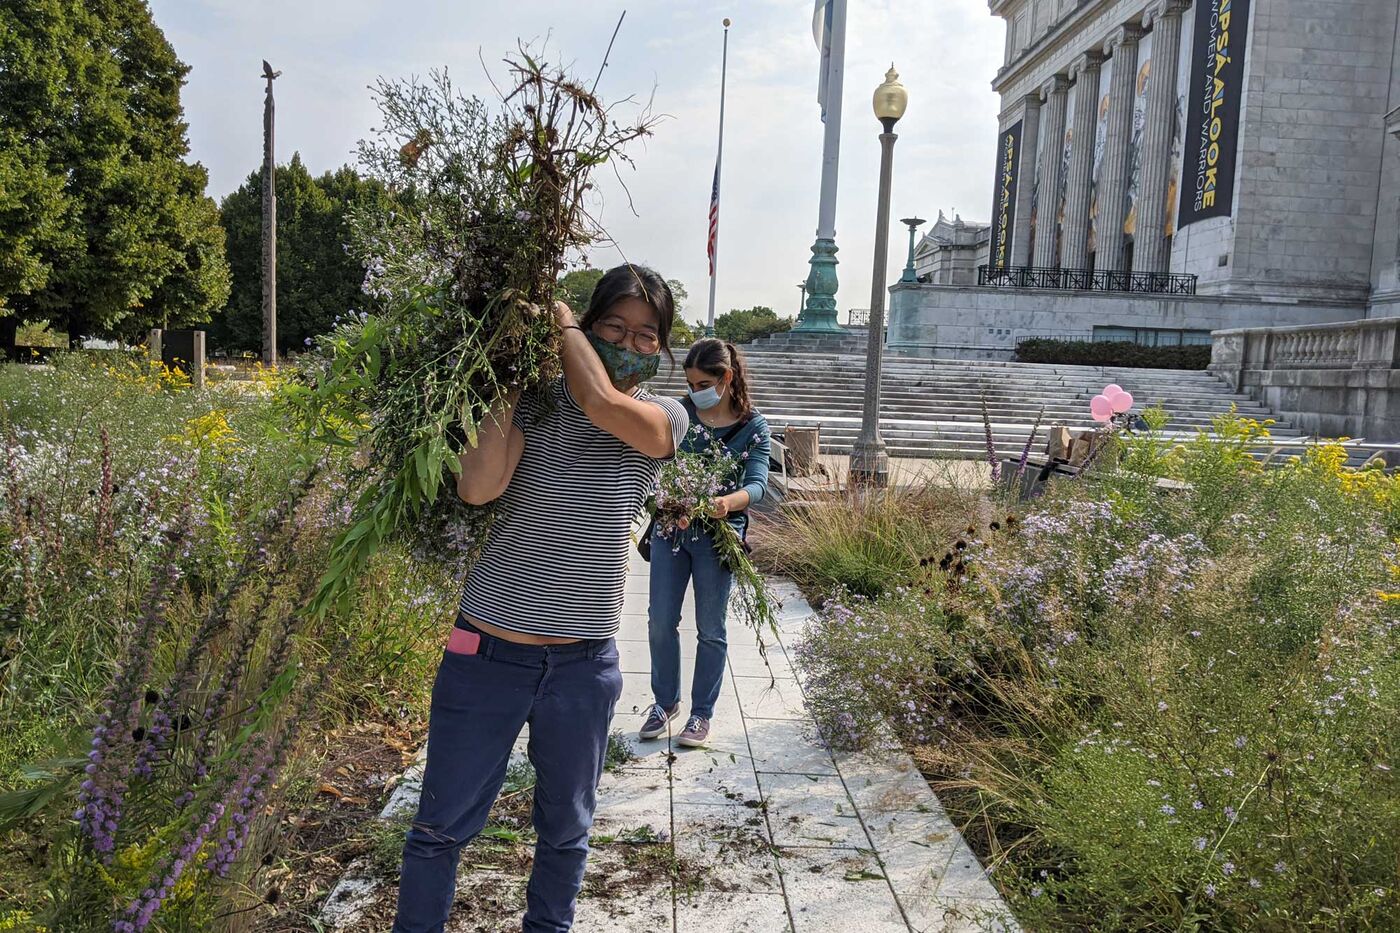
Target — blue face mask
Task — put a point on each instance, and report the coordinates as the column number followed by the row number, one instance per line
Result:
column 706, row 398
column 624, row 365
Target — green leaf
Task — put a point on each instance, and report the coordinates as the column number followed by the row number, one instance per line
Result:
column 864, row 875
column 502, row 834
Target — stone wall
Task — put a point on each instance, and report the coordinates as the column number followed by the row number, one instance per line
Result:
column 989, row 320
column 1316, row 208
column 1318, row 78
column 1333, row 380
column 1078, row 27
column 1385, row 266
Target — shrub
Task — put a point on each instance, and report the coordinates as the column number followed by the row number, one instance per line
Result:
column 1154, row 709
column 1111, row 353
column 749, row 324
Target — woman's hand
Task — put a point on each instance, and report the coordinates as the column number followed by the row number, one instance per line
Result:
column 564, row 315
column 721, row 507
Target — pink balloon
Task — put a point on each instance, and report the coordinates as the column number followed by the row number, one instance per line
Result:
column 1121, row 402
column 1111, row 390
column 1101, row 408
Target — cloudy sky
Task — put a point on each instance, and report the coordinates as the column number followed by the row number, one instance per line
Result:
column 668, row 51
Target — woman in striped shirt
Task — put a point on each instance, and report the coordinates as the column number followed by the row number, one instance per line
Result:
column 533, row 642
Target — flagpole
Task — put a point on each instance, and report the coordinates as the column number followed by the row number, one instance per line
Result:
column 819, row 316
column 719, row 160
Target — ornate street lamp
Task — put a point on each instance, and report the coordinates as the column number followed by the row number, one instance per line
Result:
column 869, row 462
column 909, row 274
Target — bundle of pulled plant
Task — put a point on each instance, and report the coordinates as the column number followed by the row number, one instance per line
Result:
column 682, row 504
column 486, row 207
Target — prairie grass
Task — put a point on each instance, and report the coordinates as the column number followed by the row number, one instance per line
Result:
column 159, row 545
column 1148, row 709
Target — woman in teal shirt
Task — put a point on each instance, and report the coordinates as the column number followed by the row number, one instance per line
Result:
column 720, row 415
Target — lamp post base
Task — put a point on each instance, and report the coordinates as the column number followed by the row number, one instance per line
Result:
column 819, row 315
column 869, row 464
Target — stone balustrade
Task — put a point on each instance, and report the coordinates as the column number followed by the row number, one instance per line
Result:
column 1324, row 349
column 1333, row 380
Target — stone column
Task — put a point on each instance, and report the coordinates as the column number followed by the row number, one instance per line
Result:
column 1113, row 198
column 1392, row 126
column 1085, row 73
column 1052, row 141
column 1025, row 188
column 1151, row 252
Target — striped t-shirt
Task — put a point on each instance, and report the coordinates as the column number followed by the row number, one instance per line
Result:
column 555, row 563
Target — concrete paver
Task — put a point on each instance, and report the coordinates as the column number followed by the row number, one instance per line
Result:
column 789, row 837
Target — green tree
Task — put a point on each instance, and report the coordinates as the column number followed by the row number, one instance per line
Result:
column 679, row 295
column 684, row 334
column 576, row 288
column 317, row 277
column 104, row 227
column 742, row 326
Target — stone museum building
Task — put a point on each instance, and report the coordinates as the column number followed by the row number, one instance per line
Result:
column 1166, row 169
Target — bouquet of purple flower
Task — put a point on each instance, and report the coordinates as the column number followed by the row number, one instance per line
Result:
column 682, row 503
column 689, row 484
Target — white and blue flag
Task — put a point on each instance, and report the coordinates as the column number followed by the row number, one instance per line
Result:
column 821, row 32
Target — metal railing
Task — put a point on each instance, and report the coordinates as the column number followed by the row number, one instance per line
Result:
column 1149, row 283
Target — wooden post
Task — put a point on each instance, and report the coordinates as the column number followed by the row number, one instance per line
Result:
column 197, row 360
column 269, row 226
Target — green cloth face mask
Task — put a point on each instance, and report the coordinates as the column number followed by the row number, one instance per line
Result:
column 624, row 365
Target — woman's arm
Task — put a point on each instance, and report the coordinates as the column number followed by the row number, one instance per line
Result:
column 754, row 481
column 488, row 467
column 640, row 425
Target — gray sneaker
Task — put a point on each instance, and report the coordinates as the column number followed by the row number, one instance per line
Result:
column 696, row 731
column 657, row 718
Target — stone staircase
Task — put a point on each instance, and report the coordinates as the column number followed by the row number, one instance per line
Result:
column 851, row 341
column 932, row 408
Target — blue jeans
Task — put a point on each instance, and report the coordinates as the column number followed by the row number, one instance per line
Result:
column 672, row 568
column 480, row 703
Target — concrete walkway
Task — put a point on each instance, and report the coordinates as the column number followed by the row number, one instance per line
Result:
column 776, row 833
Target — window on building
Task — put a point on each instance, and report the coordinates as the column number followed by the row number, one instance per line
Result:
column 1151, row 336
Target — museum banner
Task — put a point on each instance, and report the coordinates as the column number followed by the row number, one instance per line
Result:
column 1004, row 205
column 1213, row 109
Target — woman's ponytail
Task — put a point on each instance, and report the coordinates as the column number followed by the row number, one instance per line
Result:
column 739, row 380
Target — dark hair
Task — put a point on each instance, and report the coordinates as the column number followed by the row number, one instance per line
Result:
column 715, row 357
column 632, row 281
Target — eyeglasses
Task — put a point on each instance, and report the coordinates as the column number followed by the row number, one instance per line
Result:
column 643, row 341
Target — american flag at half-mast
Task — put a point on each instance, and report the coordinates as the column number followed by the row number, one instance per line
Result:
column 712, row 242
column 712, row 239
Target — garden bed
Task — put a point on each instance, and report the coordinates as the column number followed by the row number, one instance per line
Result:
column 108, row 460
column 1145, row 711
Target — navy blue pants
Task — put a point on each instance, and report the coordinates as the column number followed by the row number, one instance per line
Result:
column 480, row 702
